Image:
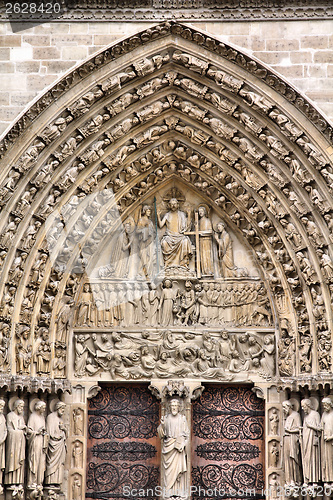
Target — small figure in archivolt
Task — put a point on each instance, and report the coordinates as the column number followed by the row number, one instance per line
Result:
column 174, row 432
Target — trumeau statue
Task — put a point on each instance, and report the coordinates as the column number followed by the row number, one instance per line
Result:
column 174, row 433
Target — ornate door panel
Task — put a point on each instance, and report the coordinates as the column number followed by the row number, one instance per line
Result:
column 123, row 446
column 227, row 443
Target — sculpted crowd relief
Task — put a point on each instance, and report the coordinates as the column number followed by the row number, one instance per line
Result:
column 307, row 445
column 173, row 353
column 172, row 303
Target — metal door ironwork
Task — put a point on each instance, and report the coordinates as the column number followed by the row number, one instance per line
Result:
column 227, row 444
column 123, row 446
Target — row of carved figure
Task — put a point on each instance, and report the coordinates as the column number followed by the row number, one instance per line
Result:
column 36, row 447
column 307, row 445
column 173, row 354
column 133, row 303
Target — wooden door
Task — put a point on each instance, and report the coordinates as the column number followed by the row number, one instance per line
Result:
column 123, row 446
column 227, row 444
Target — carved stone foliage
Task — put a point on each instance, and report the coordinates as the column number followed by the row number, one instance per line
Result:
column 122, row 446
column 228, row 424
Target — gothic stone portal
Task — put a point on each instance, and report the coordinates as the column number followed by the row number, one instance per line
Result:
column 225, row 452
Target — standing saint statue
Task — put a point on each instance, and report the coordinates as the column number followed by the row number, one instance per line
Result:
column 311, row 443
column 56, row 453
column 176, row 246
column 3, row 435
column 205, row 242
column 37, row 444
column 327, row 441
column 291, row 452
column 146, row 233
column 226, row 266
column 15, row 445
column 174, row 432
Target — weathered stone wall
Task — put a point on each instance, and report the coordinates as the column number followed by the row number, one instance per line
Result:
column 34, row 58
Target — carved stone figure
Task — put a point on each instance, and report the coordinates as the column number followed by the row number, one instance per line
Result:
column 291, row 451
column 15, row 445
column 224, row 251
column 37, row 444
column 274, row 453
column 274, row 421
column 23, row 352
column 205, row 243
column 77, row 487
column 77, row 455
column 56, row 453
column 311, row 443
column 174, row 432
column 168, row 297
column 63, row 319
column 176, row 246
column 78, row 421
column 327, row 441
column 145, row 231
column 3, row 435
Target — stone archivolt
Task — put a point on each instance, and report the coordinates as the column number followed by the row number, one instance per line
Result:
column 96, row 164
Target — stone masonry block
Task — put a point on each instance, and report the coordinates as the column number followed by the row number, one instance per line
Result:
column 323, row 56
column 294, row 71
column 7, row 67
column 46, row 53
column 74, row 53
column 21, row 98
column 10, row 84
column 104, row 39
column 272, row 57
column 10, row 40
column 4, row 54
column 28, row 67
column 39, row 82
column 300, row 57
column 4, row 98
column 317, row 70
column 37, row 40
column 282, row 45
column 71, row 39
column 54, row 67
column 314, row 42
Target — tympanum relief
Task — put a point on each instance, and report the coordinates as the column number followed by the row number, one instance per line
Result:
column 174, row 294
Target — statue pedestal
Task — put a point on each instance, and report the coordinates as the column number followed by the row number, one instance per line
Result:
column 17, row 490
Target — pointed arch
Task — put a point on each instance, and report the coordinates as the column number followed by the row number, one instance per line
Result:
column 238, row 134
